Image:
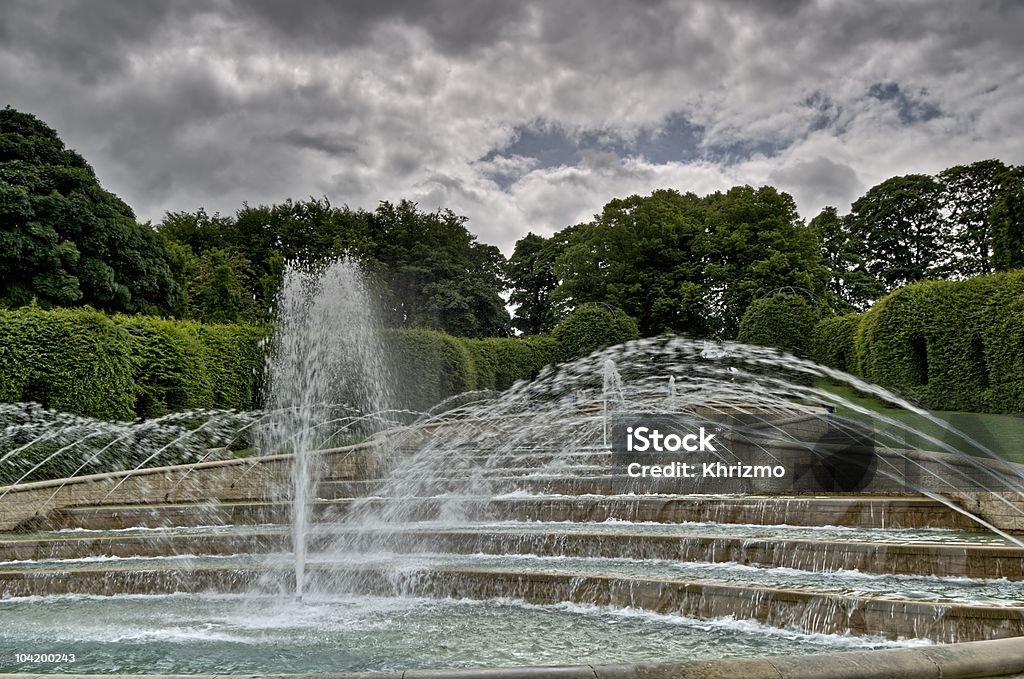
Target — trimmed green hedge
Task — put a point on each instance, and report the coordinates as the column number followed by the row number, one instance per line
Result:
column 949, row 345
column 431, row 366
column 784, row 321
column 591, row 327
column 76, row 361
column 122, row 367
column 117, row 368
column 833, row 341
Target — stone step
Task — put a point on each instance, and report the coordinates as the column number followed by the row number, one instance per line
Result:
column 934, row 559
column 862, row 511
column 805, row 610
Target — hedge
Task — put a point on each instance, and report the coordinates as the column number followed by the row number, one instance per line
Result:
column 949, row 345
column 74, row 361
column 431, row 366
column 784, row 321
column 118, row 368
column 591, row 327
column 170, row 373
column 832, row 343
column 122, row 367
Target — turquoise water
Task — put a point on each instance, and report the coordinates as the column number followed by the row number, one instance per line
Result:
column 190, row 634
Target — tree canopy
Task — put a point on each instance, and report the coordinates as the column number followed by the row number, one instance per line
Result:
column 64, row 240
column 673, row 260
column 683, row 263
column 432, row 272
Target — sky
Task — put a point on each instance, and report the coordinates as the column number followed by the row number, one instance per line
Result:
column 522, row 116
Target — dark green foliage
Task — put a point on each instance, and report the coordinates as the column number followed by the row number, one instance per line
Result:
column 220, row 288
column 592, row 327
column 899, row 224
column 530, row 274
column 949, row 345
column 429, row 367
column 968, row 194
column 435, row 273
column 758, row 244
column 118, row 368
column 1007, row 219
column 851, row 287
column 74, row 361
column 431, row 271
column 235, row 358
column 642, row 254
column 833, row 341
column 510, row 359
column 64, row 240
column 684, row 263
column 170, row 372
column 484, row 362
column 784, row 321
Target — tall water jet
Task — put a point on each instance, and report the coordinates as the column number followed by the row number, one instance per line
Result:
column 611, row 388
column 327, row 354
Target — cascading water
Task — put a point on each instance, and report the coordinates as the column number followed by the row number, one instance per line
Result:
column 327, row 353
column 513, row 504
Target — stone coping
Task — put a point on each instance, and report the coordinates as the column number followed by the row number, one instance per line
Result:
column 976, row 659
column 211, row 464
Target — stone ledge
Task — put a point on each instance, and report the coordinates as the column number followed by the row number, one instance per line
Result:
column 971, row 660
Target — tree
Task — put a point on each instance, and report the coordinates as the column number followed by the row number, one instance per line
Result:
column 434, row 274
column 642, row 255
column 757, row 244
column 305, row 232
column 530, row 273
column 1007, row 219
column 967, row 196
column 221, row 290
column 901, row 227
column 64, row 240
column 851, row 287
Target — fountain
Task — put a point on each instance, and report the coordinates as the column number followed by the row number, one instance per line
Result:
column 511, row 522
column 327, row 349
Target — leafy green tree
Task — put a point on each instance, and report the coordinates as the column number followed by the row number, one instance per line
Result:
column 968, row 194
column 678, row 262
column 66, row 241
column 756, row 244
column 1007, row 219
column 435, row 274
column 851, row 287
column 221, row 288
column 642, row 255
column 900, row 225
column 306, row 232
column 531, row 275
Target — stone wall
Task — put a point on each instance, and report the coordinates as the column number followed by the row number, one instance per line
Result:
column 222, row 481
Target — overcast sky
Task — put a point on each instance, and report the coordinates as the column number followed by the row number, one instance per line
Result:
column 521, row 116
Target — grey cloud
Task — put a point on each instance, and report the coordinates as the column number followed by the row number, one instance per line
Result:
column 456, row 26
column 505, row 106
column 326, row 142
column 819, row 182
column 91, row 40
